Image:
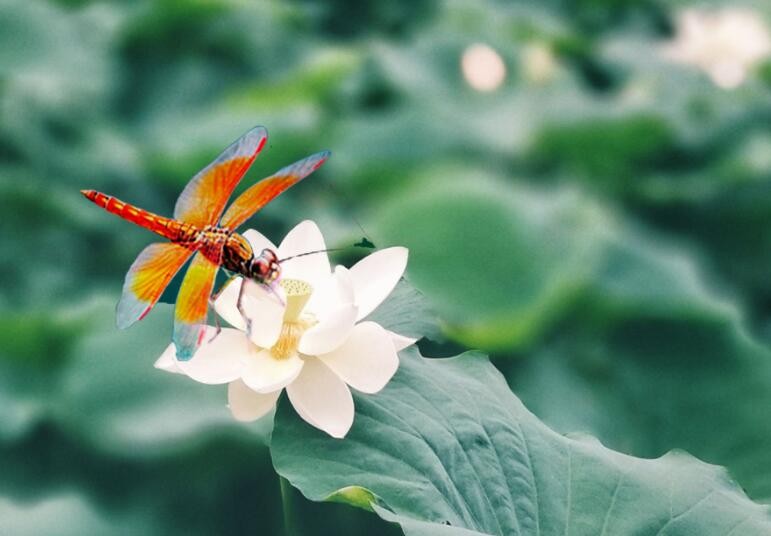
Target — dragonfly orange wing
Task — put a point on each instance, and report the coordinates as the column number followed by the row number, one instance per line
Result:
column 147, row 278
column 193, row 305
column 259, row 195
column 203, row 199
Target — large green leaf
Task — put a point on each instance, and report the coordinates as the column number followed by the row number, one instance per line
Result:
column 447, row 446
column 655, row 359
column 502, row 262
column 499, row 263
column 648, row 386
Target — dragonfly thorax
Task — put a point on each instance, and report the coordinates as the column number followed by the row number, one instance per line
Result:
column 237, row 254
column 238, row 257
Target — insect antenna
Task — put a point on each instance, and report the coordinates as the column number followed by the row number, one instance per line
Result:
column 365, row 241
column 313, row 253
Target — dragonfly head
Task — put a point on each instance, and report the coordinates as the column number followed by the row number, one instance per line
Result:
column 264, row 268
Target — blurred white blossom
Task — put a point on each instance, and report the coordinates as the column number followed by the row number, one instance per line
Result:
column 482, row 67
column 725, row 43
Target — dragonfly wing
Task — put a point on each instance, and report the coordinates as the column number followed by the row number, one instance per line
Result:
column 192, row 306
column 263, row 192
column 148, row 276
column 203, row 199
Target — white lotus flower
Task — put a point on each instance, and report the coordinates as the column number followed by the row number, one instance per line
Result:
column 725, row 43
column 311, row 339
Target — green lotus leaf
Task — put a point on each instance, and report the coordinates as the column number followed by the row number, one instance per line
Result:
column 446, row 446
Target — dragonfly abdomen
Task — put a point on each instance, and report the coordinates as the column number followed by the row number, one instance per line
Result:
column 182, row 233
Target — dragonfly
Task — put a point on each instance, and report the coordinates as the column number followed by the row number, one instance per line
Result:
column 199, row 229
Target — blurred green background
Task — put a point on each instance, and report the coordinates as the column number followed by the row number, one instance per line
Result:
column 585, row 189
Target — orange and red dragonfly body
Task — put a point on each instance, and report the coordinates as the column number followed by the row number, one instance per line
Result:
column 198, row 229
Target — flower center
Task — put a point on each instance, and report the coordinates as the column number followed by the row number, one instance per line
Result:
column 297, row 295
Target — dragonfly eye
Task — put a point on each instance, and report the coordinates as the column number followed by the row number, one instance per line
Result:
column 275, row 272
column 265, row 268
column 269, row 255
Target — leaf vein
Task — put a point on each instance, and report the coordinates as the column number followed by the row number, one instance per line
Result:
column 504, row 473
column 529, row 460
column 463, row 503
column 449, row 428
column 685, row 512
column 568, row 498
column 612, row 502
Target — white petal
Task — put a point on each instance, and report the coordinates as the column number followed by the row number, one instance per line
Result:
column 258, row 241
column 332, row 292
column 263, row 307
column 322, row 399
column 225, row 304
column 346, row 293
column 375, row 276
column 247, row 405
column 330, row 332
column 367, row 360
column 264, row 373
column 218, row 361
column 168, row 360
column 401, row 342
column 304, row 238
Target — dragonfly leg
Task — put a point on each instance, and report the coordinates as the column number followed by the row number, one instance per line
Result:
column 212, row 299
column 272, row 289
column 240, row 307
column 217, row 323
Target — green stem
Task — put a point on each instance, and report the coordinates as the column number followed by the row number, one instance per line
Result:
column 286, row 506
